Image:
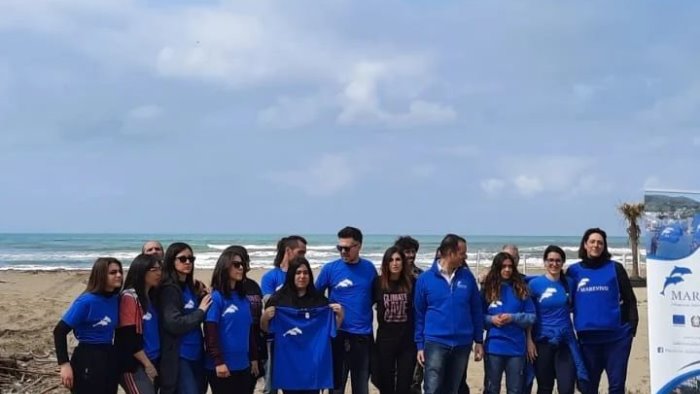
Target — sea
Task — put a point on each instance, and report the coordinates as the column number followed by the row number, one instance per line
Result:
column 46, row 252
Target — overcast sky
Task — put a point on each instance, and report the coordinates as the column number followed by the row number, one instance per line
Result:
column 394, row 116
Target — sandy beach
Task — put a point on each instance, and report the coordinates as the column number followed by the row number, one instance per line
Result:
column 33, row 302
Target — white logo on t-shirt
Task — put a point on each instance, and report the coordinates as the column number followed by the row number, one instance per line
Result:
column 230, row 309
column 582, row 283
column 103, row 323
column 495, row 304
column 189, row 305
column 548, row 292
column 345, row 283
column 294, row 332
column 147, row 316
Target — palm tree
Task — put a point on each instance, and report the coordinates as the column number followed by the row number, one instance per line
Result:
column 632, row 213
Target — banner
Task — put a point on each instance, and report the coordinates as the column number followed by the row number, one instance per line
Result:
column 672, row 237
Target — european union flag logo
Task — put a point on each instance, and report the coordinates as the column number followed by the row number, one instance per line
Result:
column 679, row 320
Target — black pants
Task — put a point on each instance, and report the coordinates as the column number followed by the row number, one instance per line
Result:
column 396, row 363
column 238, row 382
column 554, row 362
column 351, row 354
column 95, row 369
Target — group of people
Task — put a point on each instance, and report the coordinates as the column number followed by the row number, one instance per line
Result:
column 160, row 330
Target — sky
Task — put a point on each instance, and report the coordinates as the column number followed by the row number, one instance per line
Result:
column 425, row 117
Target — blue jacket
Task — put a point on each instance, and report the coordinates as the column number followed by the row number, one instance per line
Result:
column 449, row 314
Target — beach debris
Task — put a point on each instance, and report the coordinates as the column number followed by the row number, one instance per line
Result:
column 25, row 373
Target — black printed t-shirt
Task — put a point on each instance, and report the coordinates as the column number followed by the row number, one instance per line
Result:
column 394, row 311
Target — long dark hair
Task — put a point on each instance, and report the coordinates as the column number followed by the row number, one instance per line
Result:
column 493, row 281
column 221, row 279
column 99, row 275
column 582, row 254
column 405, row 281
column 136, row 278
column 294, row 265
column 169, row 272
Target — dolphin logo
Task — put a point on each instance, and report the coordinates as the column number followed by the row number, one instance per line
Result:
column 344, row 283
column 103, row 323
column 582, row 283
column 293, row 332
column 495, row 304
column 675, row 277
column 667, row 231
column 189, row 305
column 230, row 309
column 279, row 287
column 548, row 292
column 147, row 316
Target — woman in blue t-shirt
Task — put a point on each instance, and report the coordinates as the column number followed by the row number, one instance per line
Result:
column 552, row 338
column 182, row 345
column 605, row 312
column 137, row 338
column 93, row 318
column 508, row 312
column 299, row 294
column 231, row 347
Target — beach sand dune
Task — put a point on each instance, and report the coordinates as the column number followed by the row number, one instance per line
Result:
column 33, row 302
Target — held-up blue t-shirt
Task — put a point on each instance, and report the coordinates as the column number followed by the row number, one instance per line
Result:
column 508, row 340
column 553, row 309
column 350, row 285
column 303, row 357
column 93, row 318
column 191, row 347
column 151, row 336
column 272, row 281
column 232, row 314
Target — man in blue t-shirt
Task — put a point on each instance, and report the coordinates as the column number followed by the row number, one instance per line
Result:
column 349, row 283
column 287, row 249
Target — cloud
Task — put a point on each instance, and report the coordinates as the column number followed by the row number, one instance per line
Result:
column 563, row 175
column 493, row 185
column 144, row 112
column 528, row 185
column 330, row 174
column 289, row 112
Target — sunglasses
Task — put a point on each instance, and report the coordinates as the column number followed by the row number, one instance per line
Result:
column 238, row 265
column 183, row 259
column 346, row 249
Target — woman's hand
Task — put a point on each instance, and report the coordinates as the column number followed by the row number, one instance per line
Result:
column 205, row 303
column 269, row 312
column 67, row 375
column 420, row 357
column 222, row 371
column 337, row 309
column 151, row 372
column 531, row 350
column 254, row 369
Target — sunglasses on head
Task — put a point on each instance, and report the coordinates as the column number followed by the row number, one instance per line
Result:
column 183, row 259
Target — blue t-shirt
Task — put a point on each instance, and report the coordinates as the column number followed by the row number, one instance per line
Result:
column 272, row 281
column 93, row 318
column 232, row 314
column 350, row 285
column 151, row 336
column 191, row 345
column 508, row 340
column 551, row 301
column 303, row 357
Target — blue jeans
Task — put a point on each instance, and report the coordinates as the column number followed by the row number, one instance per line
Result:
column 610, row 357
column 444, row 367
column 513, row 366
column 191, row 378
column 351, row 356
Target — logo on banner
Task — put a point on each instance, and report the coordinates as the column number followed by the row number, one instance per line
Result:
column 675, row 277
column 679, row 320
column 293, row 332
column 695, row 321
